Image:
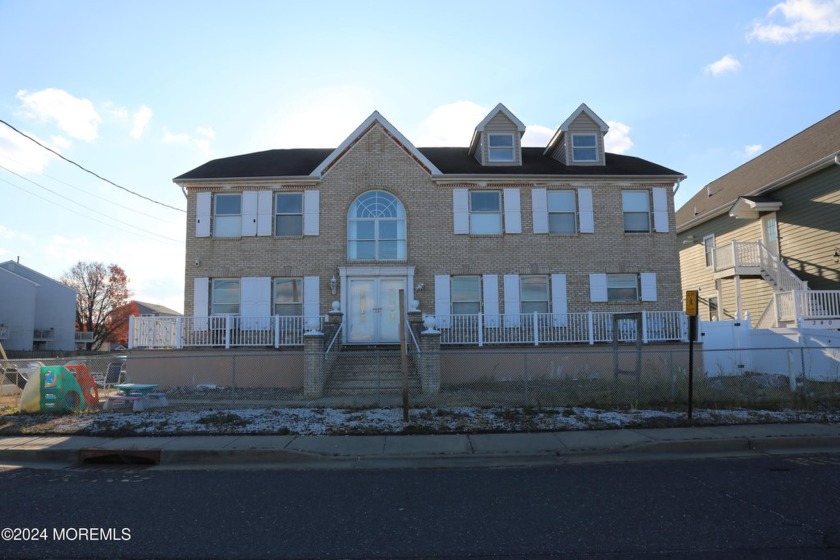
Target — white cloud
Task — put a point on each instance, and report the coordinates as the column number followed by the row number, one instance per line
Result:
column 752, row 149
column 201, row 139
column 726, row 65
column 617, row 140
column 76, row 117
column 22, row 155
column 800, row 20
column 140, row 119
column 537, row 136
column 450, row 125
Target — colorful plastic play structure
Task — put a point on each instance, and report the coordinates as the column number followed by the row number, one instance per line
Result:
column 68, row 388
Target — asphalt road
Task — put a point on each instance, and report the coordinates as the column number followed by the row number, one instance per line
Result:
column 773, row 507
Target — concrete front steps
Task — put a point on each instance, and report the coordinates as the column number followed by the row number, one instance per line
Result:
column 379, row 372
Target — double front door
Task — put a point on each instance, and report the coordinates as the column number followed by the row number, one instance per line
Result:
column 374, row 310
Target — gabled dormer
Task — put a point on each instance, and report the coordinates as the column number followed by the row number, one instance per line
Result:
column 497, row 139
column 580, row 139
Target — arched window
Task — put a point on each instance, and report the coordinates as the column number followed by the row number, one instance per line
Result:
column 376, row 228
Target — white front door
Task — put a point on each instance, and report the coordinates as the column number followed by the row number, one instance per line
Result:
column 374, row 310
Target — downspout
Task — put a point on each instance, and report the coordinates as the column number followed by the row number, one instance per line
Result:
column 679, row 182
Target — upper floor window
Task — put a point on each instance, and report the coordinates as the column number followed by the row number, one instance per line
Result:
column 485, row 212
column 224, row 296
column 584, row 147
column 500, row 147
column 636, row 211
column 561, row 212
column 622, row 287
column 466, row 295
column 533, row 294
column 288, row 219
column 376, row 228
column 288, row 297
column 227, row 215
column 709, row 250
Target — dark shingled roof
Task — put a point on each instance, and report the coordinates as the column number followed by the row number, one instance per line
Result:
column 811, row 145
column 456, row 161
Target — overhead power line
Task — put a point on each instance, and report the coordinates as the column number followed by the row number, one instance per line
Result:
column 91, row 172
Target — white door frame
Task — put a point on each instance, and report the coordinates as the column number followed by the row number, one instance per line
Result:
column 347, row 272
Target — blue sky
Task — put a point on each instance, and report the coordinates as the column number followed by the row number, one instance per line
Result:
column 142, row 91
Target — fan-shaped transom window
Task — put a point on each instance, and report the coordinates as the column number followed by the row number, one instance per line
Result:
column 376, row 228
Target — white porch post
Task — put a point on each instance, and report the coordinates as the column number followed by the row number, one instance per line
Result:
column 130, row 332
column 179, row 332
column 738, row 302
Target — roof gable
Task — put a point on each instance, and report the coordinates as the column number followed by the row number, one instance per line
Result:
column 498, row 109
column 374, row 119
column 32, row 275
column 583, row 109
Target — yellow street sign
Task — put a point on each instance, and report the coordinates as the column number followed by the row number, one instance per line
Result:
column 691, row 303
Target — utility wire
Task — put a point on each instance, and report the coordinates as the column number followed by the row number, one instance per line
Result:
column 56, row 179
column 78, row 204
column 89, row 171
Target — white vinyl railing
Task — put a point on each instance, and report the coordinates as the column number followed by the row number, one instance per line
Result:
column 738, row 254
column 551, row 328
column 796, row 305
column 218, row 331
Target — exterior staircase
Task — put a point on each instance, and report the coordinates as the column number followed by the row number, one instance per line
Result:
column 369, row 372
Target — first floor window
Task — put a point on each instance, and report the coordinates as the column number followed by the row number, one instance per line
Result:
column 485, row 212
column 533, row 294
column 622, row 287
column 227, row 215
column 466, row 295
column 225, row 296
column 561, row 212
column 288, row 220
column 713, row 308
column 636, row 211
column 288, row 297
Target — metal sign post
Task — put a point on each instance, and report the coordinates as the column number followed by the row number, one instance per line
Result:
column 691, row 311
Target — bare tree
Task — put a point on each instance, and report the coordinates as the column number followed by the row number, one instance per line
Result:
column 102, row 292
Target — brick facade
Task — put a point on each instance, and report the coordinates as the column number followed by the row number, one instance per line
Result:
column 376, row 160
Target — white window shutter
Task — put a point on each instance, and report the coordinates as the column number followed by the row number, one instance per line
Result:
column 513, row 211
column 201, row 303
column 442, row 300
column 461, row 210
column 203, row 201
column 587, row 216
column 265, row 213
column 648, row 286
column 598, row 288
column 559, row 300
column 511, row 289
column 490, row 294
column 660, row 209
column 539, row 210
column 255, row 302
column 311, row 298
column 250, row 201
column 311, row 213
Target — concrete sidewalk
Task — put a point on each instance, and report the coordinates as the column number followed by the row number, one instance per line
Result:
column 423, row 450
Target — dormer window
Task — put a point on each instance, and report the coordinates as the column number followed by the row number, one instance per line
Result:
column 500, row 147
column 584, row 147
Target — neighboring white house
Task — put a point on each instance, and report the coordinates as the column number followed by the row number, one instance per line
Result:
column 36, row 312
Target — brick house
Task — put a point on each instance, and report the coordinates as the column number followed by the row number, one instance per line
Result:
column 488, row 238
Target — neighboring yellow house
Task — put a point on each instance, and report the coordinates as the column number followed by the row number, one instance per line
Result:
column 763, row 241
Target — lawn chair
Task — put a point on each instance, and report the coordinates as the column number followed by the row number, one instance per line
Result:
column 114, row 375
column 14, row 376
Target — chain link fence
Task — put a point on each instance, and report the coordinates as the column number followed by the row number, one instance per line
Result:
column 597, row 376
